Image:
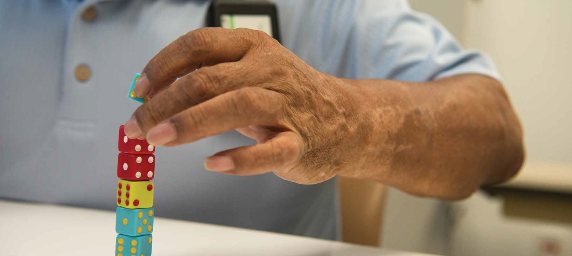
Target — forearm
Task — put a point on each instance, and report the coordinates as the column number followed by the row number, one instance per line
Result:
column 443, row 138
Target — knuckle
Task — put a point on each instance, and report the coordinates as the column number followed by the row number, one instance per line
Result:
column 256, row 34
column 203, row 83
column 288, row 151
column 198, row 86
column 177, row 97
column 157, row 67
column 194, row 89
column 253, row 37
column 249, row 99
column 275, row 158
column 200, row 42
column 292, row 151
column 259, row 158
column 280, row 77
column 263, row 36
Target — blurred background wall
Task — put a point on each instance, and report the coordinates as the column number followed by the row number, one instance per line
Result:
column 531, row 44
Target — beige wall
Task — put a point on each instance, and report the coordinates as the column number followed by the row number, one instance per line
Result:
column 448, row 12
column 531, row 43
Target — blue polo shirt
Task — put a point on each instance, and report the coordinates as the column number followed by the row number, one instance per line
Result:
column 64, row 76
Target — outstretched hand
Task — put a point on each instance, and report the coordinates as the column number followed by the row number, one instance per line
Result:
column 305, row 121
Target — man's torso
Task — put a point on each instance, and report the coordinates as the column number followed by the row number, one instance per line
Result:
column 58, row 135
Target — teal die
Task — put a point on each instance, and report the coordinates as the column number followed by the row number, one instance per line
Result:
column 132, row 94
column 134, row 222
column 133, row 245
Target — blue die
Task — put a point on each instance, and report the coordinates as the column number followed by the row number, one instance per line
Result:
column 131, row 93
column 134, row 222
column 133, row 245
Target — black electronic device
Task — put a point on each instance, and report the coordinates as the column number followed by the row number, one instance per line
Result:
column 253, row 14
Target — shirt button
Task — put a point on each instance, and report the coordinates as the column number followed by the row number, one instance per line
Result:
column 89, row 13
column 82, row 73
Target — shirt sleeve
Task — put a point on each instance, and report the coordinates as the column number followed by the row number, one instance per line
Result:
column 392, row 41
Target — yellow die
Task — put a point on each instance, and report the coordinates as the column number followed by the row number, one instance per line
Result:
column 135, row 194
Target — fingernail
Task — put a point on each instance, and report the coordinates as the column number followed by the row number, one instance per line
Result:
column 161, row 134
column 219, row 163
column 142, row 86
column 132, row 129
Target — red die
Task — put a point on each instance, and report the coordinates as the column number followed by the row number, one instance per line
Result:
column 133, row 146
column 135, row 167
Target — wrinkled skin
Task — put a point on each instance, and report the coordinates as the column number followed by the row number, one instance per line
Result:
column 442, row 138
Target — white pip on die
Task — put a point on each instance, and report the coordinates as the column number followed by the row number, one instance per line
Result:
column 135, row 167
column 133, row 146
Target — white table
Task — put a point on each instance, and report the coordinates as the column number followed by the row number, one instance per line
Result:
column 35, row 229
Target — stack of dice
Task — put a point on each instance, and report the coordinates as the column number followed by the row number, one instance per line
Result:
column 135, row 213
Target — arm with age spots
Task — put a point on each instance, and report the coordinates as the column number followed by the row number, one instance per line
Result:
column 443, row 138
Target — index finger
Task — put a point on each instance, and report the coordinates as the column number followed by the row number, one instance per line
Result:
column 201, row 47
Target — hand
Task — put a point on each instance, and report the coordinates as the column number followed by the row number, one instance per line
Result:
column 305, row 122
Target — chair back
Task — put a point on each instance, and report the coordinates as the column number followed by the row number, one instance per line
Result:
column 361, row 209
